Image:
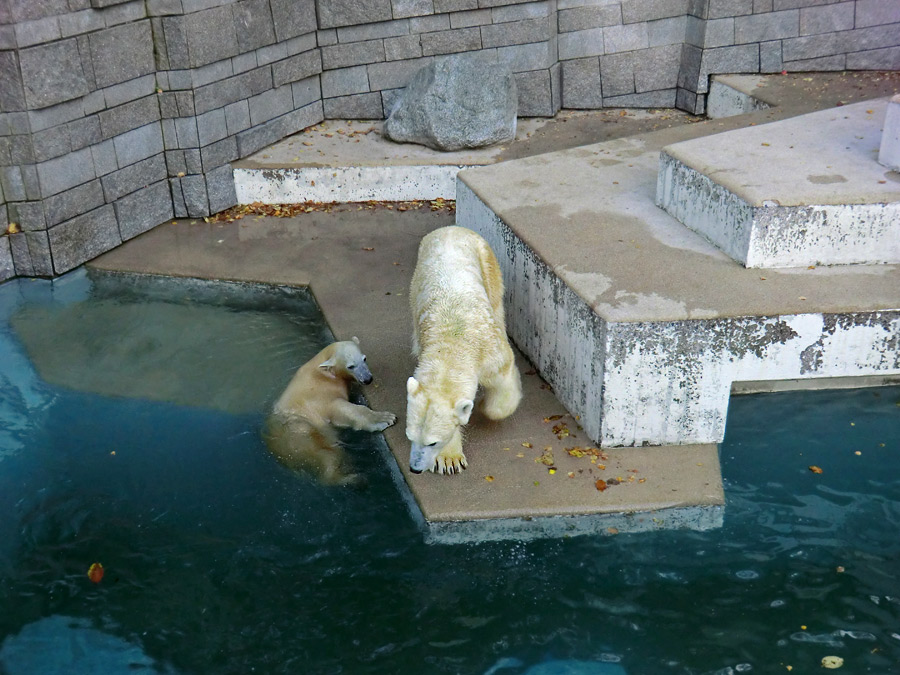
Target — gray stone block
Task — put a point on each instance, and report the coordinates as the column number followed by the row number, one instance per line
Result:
column 122, row 53
column 211, row 36
column 52, row 73
column 193, row 161
column 874, row 37
column 515, row 33
column 130, row 90
column 186, row 132
column 406, row 47
column 164, row 7
column 21, row 149
column 73, row 202
column 87, row 64
column 581, row 86
column 12, row 92
column 475, row 17
column 635, row 11
column 170, row 136
column 125, row 181
column 219, row 153
column 718, row 9
column 762, row 6
column 211, row 126
column 738, row 59
column 719, row 33
column 232, row 89
column 63, row 173
column 175, row 164
column 129, row 116
column 178, row 205
column 345, row 81
column 237, row 117
column 451, row 41
column 657, row 69
column 403, row 9
column 7, row 268
column 168, row 105
column 352, row 54
column 32, row 183
column 694, row 31
column 104, row 157
column 212, row 72
column 27, row 10
column 253, row 24
column 28, row 215
column 272, row 53
column 521, row 11
column 534, row 56
column 271, row 104
column 617, row 74
column 31, row 254
column 429, row 24
column 7, row 36
column 126, row 12
column 589, row 16
column 301, row 43
column 141, row 143
column 827, row 19
column 196, row 201
column 535, row 94
column 770, row 57
column 876, row 13
column 689, row 74
column 356, row 107
column 180, row 79
column 82, row 238
column 651, row 99
column 328, row 37
column 394, row 74
column 293, row 18
column 185, row 102
column 691, row 102
column 244, row 62
column 442, row 6
column 220, row 189
column 12, row 183
column 625, row 38
column 667, row 31
column 297, row 67
column 389, row 98
column 51, row 143
column 143, row 210
column 823, row 63
column 580, row 44
column 176, row 43
column 334, row 13
column 373, row 31
column 306, row 91
column 37, row 31
column 771, row 26
column 875, row 59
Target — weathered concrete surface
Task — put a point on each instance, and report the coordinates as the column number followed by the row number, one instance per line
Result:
column 731, row 95
column 889, row 151
column 643, row 331
column 797, row 192
column 363, row 292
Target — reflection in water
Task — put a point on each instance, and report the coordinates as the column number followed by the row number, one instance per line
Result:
column 218, row 559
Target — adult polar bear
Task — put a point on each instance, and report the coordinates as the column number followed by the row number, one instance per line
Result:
column 459, row 338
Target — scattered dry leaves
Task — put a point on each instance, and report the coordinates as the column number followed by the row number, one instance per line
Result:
column 291, row 210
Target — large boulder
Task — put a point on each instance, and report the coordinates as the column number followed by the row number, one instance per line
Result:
column 455, row 102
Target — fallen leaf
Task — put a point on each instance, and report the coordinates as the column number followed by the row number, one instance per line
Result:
column 367, row 248
column 526, row 444
column 612, row 530
column 766, row 144
column 840, row 569
column 571, row 474
column 13, row 228
column 600, row 484
column 832, row 662
column 551, row 471
column 95, row 572
column 546, row 457
column 489, row 479
column 552, row 418
column 815, row 469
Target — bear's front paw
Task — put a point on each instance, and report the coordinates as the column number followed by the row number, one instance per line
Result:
column 450, row 462
column 383, row 420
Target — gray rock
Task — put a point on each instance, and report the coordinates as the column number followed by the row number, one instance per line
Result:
column 455, row 102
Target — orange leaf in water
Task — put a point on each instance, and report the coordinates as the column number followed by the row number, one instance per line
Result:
column 95, row 572
column 815, row 469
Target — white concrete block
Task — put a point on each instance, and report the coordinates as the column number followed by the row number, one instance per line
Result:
column 889, row 153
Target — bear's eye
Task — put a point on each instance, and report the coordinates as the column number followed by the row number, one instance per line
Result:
column 431, row 445
column 364, row 358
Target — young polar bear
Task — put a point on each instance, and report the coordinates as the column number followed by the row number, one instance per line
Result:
column 459, row 337
column 302, row 430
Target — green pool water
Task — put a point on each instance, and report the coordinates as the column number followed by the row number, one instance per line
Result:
column 130, row 411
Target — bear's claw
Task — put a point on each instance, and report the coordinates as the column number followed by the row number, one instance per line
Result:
column 385, row 420
column 450, row 465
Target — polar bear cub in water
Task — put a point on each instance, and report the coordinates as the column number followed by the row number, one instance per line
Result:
column 456, row 298
column 302, row 431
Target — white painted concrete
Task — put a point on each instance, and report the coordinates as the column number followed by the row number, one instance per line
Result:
column 889, row 153
column 345, row 184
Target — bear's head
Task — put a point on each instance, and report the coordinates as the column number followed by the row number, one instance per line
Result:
column 348, row 362
column 431, row 422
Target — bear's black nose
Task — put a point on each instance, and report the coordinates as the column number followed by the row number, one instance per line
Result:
column 368, row 380
column 415, row 470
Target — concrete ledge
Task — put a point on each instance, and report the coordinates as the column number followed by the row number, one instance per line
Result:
column 731, row 95
column 802, row 191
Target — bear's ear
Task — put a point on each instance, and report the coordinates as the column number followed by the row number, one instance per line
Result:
column 463, row 409
column 328, row 365
column 355, row 339
column 412, row 386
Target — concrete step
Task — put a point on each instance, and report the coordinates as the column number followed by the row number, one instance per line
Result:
column 731, row 95
column 802, row 191
column 641, row 325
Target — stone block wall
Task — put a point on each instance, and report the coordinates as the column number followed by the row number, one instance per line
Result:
column 116, row 115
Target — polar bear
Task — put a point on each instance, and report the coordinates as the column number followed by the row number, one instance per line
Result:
column 459, row 338
column 302, row 431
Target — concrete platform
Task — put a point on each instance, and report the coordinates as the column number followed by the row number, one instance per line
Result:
column 642, row 326
column 802, row 191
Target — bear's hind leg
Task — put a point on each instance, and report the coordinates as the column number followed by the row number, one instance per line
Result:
column 502, row 393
